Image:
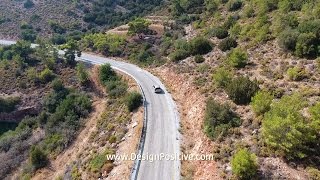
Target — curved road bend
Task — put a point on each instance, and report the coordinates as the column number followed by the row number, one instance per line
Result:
column 162, row 135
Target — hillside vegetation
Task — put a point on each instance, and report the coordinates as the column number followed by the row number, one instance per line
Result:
column 63, row 20
column 56, row 104
column 256, row 62
column 266, row 60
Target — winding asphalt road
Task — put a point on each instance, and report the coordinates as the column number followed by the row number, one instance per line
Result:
column 162, row 136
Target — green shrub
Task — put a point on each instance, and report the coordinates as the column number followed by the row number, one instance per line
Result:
column 297, row 74
column 231, row 21
column 111, row 81
column 237, row 58
column 53, row 144
column 288, row 39
column 227, row 44
column 219, row 32
column 133, row 100
column 138, row 25
column 314, row 174
column 241, row 90
column 98, row 160
column 211, row 5
column 261, row 102
column 8, row 104
column 285, row 22
column 311, row 26
column 38, row 158
column 244, row 164
column 82, row 74
column 57, row 85
column 107, row 74
column 58, row 39
column 287, row 131
column 112, row 139
column 46, row 75
column 75, row 174
column 234, row 5
column 108, row 44
column 219, row 118
column 222, row 77
column 264, row 7
column 249, row 12
column 199, row 59
column 200, row 45
column 28, row 35
column 32, row 74
column 315, row 112
column 116, row 88
column 235, row 30
column 28, row 4
column 307, row 45
column 179, row 55
column 56, row 27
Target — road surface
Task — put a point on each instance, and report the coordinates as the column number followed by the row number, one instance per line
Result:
column 162, row 136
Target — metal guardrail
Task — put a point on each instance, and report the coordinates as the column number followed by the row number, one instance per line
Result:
column 137, row 162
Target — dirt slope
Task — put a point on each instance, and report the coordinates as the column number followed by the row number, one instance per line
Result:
column 58, row 165
column 191, row 112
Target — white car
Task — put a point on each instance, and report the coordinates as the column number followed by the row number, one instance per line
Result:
column 157, row 89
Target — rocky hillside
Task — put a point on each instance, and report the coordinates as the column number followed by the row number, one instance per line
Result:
column 253, row 67
column 62, row 20
column 260, row 81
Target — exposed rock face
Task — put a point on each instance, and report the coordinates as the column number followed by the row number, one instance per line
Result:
column 18, row 115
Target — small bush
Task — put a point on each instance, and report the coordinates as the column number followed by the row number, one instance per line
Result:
column 219, row 119
column 231, row 21
column 249, row 12
column 297, row 74
column 179, row 55
column 116, row 88
column 46, row 75
column 222, row 77
column 133, row 101
column 219, row 32
column 28, row 4
column 139, row 25
column 242, row 89
column 98, row 160
column 237, row 58
column 307, row 45
column 199, row 59
column 314, row 174
column 261, row 102
column 234, row 5
column 107, row 74
column 311, row 26
column 315, row 112
column 112, row 139
column 227, row 44
column 200, row 45
column 57, row 28
column 211, row 6
column 38, row 158
column 288, row 39
column 244, row 164
column 82, row 73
